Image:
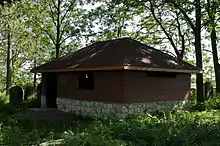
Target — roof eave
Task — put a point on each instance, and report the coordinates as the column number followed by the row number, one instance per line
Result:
column 119, row 68
column 163, row 69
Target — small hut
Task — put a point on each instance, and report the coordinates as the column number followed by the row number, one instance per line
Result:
column 116, row 77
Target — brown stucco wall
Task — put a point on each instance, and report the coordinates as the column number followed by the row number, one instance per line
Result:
column 139, row 87
column 123, row 86
column 109, row 87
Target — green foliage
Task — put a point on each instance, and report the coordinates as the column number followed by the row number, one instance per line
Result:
column 30, row 103
column 178, row 128
column 91, row 139
column 5, row 108
column 171, row 128
column 194, row 105
column 4, row 97
column 33, row 29
column 213, row 103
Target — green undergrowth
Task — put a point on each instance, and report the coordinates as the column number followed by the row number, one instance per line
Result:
column 193, row 127
column 213, row 103
column 177, row 128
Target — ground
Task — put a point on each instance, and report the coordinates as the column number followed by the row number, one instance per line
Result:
column 32, row 127
column 44, row 114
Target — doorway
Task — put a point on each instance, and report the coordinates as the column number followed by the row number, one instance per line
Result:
column 51, row 90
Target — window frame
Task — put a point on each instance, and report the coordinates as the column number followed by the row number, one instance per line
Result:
column 84, row 83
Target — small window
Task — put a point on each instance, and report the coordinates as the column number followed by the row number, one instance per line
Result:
column 86, row 80
column 161, row 74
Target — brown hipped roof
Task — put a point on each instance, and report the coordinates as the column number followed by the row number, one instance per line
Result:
column 118, row 54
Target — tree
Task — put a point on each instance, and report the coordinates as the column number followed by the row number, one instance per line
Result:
column 196, row 28
column 199, row 77
column 174, row 25
column 112, row 19
column 2, row 2
column 9, row 61
column 20, row 44
column 62, row 23
column 211, row 7
column 7, row 33
column 30, row 44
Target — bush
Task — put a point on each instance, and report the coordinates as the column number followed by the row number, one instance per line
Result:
column 194, row 105
column 4, row 97
column 213, row 103
column 5, row 107
column 177, row 128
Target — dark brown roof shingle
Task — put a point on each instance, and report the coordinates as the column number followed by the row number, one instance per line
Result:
column 124, row 53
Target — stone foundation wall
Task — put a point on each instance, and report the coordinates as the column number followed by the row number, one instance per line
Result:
column 101, row 110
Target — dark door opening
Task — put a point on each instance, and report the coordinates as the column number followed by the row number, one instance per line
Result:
column 51, row 90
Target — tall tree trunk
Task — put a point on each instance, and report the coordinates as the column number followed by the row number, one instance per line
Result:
column 9, row 63
column 211, row 9
column 58, row 30
column 199, row 77
column 181, row 35
column 35, row 74
column 215, row 59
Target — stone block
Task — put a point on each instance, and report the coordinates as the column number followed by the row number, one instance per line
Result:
column 103, row 110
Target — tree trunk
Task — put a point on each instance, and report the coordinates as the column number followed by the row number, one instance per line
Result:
column 58, row 30
column 35, row 75
column 182, row 51
column 197, row 31
column 9, row 63
column 57, row 50
column 199, row 77
column 211, row 9
column 215, row 59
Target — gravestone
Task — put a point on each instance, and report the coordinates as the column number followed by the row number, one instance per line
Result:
column 28, row 92
column 15, row 95
column 208, row 90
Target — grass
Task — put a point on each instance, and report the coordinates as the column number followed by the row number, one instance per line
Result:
column 178, row 128
column 171, row 128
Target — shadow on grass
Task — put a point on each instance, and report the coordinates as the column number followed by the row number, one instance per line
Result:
column 20, row 126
